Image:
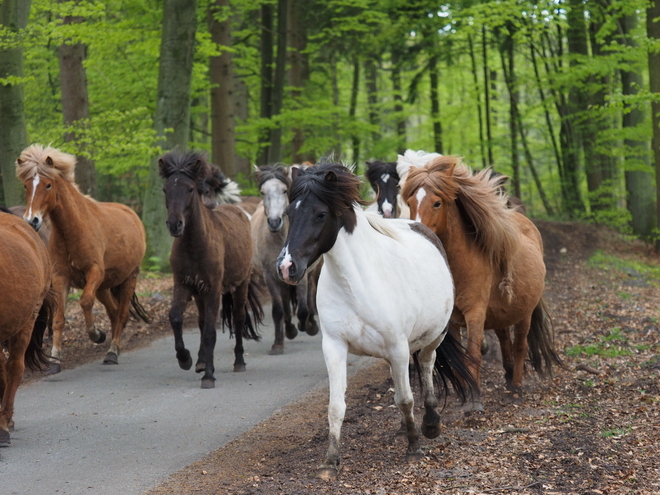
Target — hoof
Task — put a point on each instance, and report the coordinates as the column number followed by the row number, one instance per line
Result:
column 430, row 431
column 186, row 365
column 238, row 368
column 291, row 331
column 53, row 368
column 415, row 456
column 11, row 425
column 276, row 350
column 327, row 473
column 514, row 397
column 473, row 406
column 101, row 338
column 199, row 366
column 208, row 383
column 312, row 327
column 4, row 438
column 110, row 358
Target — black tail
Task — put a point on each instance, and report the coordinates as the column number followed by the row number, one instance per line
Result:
column 451, row 366
column 36, row 358
column 541, row 341
column 137, row 311
column 252, row 322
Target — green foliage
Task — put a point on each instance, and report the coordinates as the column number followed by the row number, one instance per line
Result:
column 625, row 267
column 612, row 345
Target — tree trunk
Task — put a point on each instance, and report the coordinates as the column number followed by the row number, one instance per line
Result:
column 275, row 151
column 241, row 114
column 13, row 133
column 221, row 72
column 75, row 106
column 371, row 74
column 435, row 104
column 507, row 56
column 400, row 119
column 638, row 171
column 653, row 32
column 266, row 79
column 489, row 137
column 172, row 112
column 298, row 43
column 477, row 92
column 355, row 89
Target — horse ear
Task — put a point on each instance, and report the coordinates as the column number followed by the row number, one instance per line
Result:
column 255, row 168
column 450, row 170
column 330, row 176
column 19, row 161
column 49, row 161
column 295, row 172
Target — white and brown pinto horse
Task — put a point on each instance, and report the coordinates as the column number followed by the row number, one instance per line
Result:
column 97, row 247
column 270, row 226
column 496, row 257
column 364, row 309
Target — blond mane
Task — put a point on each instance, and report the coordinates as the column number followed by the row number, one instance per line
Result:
column 33, row 160
column 482, row 205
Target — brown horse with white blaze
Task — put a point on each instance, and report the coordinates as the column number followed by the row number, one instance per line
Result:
column 94, row 246
column 496, row 258
column 26, row 309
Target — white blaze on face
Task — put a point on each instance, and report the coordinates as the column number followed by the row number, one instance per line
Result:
column 298, row 203
column 385, row 178
column 275, row 199
column 286, row 263
column 35, row 183
column 387, row 209
column 421, row 193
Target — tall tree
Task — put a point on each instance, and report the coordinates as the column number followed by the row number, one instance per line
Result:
column 75, row 105
column 172, row 118
column 489, row 133
column 13, row 133
column 266, row 111
column 297, row 73
column 279, row 80
column 435, row 103
column 221, row 73
column 653, row 32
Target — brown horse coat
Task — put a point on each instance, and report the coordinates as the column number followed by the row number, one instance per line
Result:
column 94, row 246
column 25, row 308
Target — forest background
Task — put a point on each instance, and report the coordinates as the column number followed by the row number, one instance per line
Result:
column 563, row 96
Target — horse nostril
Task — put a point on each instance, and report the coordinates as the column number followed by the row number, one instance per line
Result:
column 179, row 224
column 292, row 269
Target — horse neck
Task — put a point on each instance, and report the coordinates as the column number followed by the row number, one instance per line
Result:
column 199, row 224
column 455, row 237
column 70, row 215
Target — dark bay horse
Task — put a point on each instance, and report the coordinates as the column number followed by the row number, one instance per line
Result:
column 211, row 259
column 384, row 180
column 366, row 310
column 269, row 230
column 26, row 309
column 496, row 257
column 97, row 247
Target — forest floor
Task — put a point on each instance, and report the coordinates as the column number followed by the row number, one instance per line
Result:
column 592, row 428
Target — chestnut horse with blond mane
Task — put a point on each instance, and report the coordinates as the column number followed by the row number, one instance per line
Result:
column 94, row 246
column 496, row 258
column 26, row 309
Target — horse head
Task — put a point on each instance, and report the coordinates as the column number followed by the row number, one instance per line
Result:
column 189, row 181
column 429, row 191
column 41, row 170
column 274, row 183
column 321, row 203
column 384, row 180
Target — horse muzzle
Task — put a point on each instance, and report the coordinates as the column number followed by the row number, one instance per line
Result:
column 175, row 227
column 288, row 271
column 275, row 224
column 35, row 222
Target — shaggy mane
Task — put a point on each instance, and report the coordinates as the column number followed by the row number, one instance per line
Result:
column 33, row 161
column 267, row 172
column 481, row 203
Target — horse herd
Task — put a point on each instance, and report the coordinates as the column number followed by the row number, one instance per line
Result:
column 380, row 285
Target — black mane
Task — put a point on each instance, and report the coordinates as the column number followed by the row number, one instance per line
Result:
column 194, row 165
column 377, row 168
column 268, row 172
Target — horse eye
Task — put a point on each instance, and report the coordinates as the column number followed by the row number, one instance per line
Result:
column 25, row 186
column 320, row 216
column 437, row 204
column 191, row 189
column 48, row 186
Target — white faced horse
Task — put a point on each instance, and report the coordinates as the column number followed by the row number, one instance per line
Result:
column 364, row 309
column 269, row 229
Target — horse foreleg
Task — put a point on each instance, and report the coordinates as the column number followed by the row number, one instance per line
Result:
column 475, row 336
column 180, row 299
column 520, row 332
column 14, row 368
column 209, row 337
column 302, row 311
column 335, row 353
column 200, row 365
column 274, row 288
column 403, row 398
column 94, row 277
column 504, row 336
column 61, row 286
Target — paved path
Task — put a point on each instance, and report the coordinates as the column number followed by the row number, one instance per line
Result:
column 122, row 429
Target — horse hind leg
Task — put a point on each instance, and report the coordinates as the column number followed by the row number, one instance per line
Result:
column 13, row 376
column 431, row 419
column 61, row 287
column 403, row 398
column 94, row 278
column 111, row 308
column 520, row 332
column 504, row 337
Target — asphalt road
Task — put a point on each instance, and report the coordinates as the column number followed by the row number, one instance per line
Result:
column 122, row 429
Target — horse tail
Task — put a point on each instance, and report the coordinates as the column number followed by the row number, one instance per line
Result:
column 254, row 312
column 540, row 341
column 451, row 365
column 136, row 310
column 36, row 358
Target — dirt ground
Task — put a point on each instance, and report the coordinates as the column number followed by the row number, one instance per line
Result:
column 593, row 428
